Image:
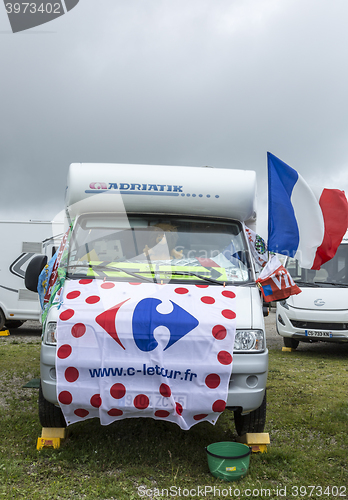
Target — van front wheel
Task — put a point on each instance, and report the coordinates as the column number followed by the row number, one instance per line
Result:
column 50, row 415
column 290, row 342
column 251, row 422
column 2, row 319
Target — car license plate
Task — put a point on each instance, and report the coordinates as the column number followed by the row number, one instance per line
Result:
column 316, row 333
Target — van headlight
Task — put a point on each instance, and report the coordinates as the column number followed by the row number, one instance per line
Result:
column 249, row 340
column 284, row 304
column 49, row 337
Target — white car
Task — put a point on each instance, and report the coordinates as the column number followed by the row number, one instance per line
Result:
column 320, row 312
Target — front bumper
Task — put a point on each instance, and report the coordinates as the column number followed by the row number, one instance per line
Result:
column 301, row 323
column 248, row 382
column 246, row 389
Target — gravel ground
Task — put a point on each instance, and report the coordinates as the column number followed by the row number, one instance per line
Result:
column 30, row 331
column 274, row 341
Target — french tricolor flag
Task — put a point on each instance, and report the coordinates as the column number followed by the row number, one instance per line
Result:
column 303, row 223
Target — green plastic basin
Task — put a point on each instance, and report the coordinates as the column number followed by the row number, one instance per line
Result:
column 228, row 460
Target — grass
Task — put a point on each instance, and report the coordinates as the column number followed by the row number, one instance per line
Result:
column 131, row 459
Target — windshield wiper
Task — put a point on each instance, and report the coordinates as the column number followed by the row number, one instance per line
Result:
column 335, row 283
column 307, row 283
column 320, row 284
column 118, row 269
column 190, row 273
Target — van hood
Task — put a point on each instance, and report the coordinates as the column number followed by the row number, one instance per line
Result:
column 249, row 312
column 323, row 299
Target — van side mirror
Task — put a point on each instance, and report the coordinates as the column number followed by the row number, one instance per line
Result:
column 33, row 271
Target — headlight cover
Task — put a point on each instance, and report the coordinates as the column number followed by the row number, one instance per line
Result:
column 249, row 341
column 50, row 333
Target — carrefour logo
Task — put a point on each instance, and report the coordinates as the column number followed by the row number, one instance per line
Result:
column 146, row 319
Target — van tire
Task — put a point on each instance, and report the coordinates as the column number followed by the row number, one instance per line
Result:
column 50, row 415
column 14, row 323
column 2, row 319
column 290, row 342
column 251, row 422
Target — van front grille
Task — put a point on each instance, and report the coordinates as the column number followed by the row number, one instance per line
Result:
column 314, row 325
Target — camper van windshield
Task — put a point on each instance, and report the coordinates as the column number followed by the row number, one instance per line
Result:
column 332, row 273
column 152, row 248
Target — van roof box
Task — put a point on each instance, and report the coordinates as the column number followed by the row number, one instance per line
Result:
column 212, row 192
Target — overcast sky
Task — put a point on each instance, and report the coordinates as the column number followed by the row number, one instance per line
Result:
column 173, row 82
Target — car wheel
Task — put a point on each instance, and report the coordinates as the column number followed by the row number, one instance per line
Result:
column 2, row 319
column 251, row 422
column 290, row 342
column 50, row 415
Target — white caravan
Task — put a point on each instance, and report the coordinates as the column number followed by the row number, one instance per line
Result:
column 21, row 240
column 320, row 312
column 114, row 210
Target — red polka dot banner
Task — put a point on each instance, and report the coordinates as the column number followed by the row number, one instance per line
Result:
column 151, row 350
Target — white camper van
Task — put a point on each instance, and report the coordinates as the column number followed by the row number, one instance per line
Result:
column 320, row 312
column 21, row 240
column 120, row 215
